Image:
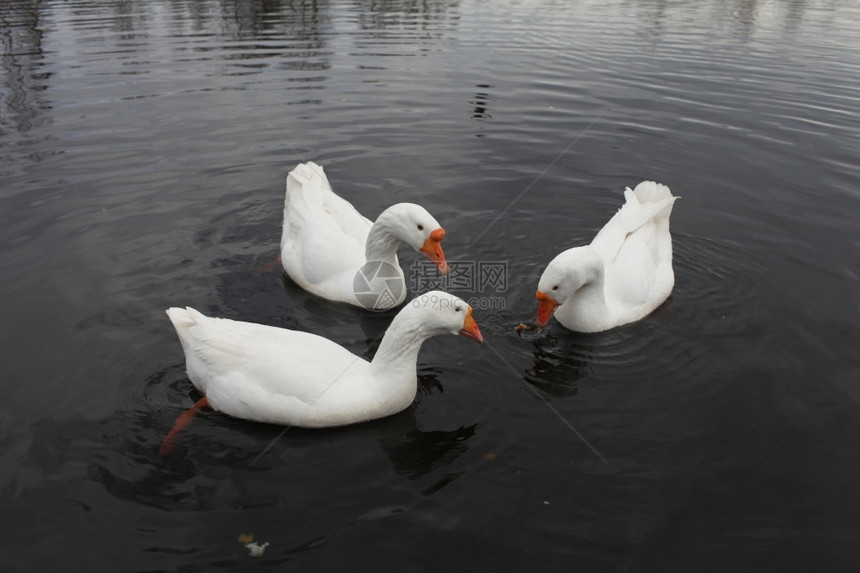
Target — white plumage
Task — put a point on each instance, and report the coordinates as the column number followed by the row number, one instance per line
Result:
column 281, row 376
column 623, row 275
column 325, row 242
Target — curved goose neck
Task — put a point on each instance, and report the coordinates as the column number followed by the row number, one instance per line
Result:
column 397, row 355
column 593, row 292
column 381, row 242
column 588, row 300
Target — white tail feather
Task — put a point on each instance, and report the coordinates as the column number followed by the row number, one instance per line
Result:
column 181, row 317
column 651, row 192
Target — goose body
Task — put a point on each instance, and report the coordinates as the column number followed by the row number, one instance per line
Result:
column 267, row 374
column 623, row 275
column 331, row 250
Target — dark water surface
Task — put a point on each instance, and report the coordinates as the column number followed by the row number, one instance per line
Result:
column 144, row 150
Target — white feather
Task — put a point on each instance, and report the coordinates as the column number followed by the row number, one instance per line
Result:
column 625, row 273
column 326, row 241
column 281, row 376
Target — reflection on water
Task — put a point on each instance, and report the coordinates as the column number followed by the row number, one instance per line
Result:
column 417, row 453
column 22, row 106
column 144, row 149
column 556, row 371
column 120, row 455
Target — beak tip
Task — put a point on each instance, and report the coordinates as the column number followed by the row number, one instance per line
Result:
column 470, row 328
column 546, row 308
column 472, row 334
column 433, row 251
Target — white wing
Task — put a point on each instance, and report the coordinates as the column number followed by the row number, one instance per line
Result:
column 260, row 372
column 324, row 237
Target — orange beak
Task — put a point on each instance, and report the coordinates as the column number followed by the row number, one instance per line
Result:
column 470, row 328
column 546, row 306
column 432, row 248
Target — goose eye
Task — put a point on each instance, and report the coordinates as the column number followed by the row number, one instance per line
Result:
column 457, row 309
column 555, row 287
column 420, row 227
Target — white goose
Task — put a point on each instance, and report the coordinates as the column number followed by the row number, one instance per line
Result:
column 329, row 249
column 279, row 376
column 622, row 276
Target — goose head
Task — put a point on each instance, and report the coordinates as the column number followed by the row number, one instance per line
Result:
column 443, row 313
column 413, row 225
column 563, row 277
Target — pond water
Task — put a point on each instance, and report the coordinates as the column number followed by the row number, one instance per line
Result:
column 144, row 151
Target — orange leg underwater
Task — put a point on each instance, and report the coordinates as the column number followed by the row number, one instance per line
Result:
column 168, row 446
column 268, row 267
